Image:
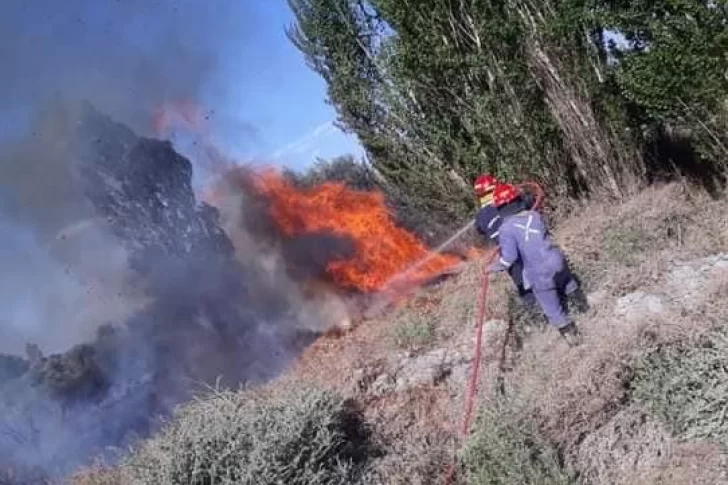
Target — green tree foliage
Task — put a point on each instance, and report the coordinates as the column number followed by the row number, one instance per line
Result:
column 441, row 90
column 675, row 66
column 346, row 169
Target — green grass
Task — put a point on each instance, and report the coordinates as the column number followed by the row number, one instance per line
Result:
column 685, row 384
column 415, row 331
column 506, row 449
column 299, row 437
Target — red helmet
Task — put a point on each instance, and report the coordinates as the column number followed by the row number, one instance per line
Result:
column 505, row 194
column 484, row 185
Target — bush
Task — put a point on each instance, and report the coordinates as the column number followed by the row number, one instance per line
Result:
column 685, row 384
column 415, row 330
column 638, row 237
column 301, row 437
column 72, row 376
column 506, row 449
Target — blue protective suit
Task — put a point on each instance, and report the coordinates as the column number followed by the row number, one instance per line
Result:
column 488, row 222
column 525, row 237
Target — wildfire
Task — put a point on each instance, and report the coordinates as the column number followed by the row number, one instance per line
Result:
column 382, row 249
column 382, row 254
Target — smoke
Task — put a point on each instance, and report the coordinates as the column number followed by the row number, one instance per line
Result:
column 65, row 274
column 57, row 303
column 128, row 286
column 125, row 56
column 121, row 294
column 133, row 290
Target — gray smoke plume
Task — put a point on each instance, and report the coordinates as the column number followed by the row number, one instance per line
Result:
column 120, row 294
column 125, row 56
column 204, row 310
column 128, row 58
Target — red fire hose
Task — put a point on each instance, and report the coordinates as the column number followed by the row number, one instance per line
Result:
column 472, row 389
column 538, row 191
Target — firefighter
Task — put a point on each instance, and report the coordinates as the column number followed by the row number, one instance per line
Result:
column 523, row 236
column 488, row 221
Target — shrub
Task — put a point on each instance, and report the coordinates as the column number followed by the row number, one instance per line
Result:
column 416, row 330
column 506, row 449
column 72, row 376
column 637, row 237
column 301, row 437
column 685, row 384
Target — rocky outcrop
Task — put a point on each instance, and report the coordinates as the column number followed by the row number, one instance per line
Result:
column 439, row 366
column 684, row 288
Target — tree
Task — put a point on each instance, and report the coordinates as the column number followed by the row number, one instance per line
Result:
column 674, row 65
column 441, row 90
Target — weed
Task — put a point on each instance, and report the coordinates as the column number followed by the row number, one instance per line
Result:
column 298, row 437
column 523, row 319
column 506, row 449
column 627, row 243
column 685, row 384
column 417, row 331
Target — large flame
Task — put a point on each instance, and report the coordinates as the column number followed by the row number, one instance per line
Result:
column 384, row 255
column 382, row 249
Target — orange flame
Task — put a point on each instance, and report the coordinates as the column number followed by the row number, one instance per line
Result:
column 382, row 248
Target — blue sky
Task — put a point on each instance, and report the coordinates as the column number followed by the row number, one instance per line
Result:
column 126, row 56
column 129, row 56
column 282, row 98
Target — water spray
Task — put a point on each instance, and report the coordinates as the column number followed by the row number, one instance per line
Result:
column 536, row 188
column 430, row 255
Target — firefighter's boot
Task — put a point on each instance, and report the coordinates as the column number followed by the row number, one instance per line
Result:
column 571, row 334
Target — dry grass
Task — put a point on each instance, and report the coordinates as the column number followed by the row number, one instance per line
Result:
column 418, row 430
column 413, row 331
column 621, row 409
column 98, row 475
column 581, row 399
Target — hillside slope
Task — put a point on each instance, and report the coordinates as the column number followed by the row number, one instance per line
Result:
column 642, row 401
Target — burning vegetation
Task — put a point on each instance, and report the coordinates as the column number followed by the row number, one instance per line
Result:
column 367, row 248
column 235, row 289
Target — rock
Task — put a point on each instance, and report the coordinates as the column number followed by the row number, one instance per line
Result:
column 687, row 281
column 686, row 286
column 597, row 297
column 460, row 372
column 429, row 368
column 638, row 305
column 383, row 384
